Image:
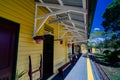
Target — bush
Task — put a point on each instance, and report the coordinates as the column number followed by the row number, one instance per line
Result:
column 111, row 56
column 115, row 55
column 107, row 53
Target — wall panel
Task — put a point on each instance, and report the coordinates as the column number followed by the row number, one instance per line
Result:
column 22, row 12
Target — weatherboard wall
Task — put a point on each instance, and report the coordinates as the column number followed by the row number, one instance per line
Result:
column 22, row 12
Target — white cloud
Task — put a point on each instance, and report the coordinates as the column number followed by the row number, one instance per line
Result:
column 96, row 29
column 97, row 40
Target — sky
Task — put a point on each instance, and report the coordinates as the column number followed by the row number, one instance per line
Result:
column 100, row 9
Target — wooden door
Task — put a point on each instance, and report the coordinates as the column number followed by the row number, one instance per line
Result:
column 73, row 48
column 48, row 56
column 8, row 48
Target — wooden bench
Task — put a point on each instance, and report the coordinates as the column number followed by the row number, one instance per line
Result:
column 63, row 68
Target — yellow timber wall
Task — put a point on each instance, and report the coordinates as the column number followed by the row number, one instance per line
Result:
column 22, row 12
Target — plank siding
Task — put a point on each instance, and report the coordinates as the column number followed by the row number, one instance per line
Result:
column 22, row 12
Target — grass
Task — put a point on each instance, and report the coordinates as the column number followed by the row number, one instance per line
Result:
column 112, row 71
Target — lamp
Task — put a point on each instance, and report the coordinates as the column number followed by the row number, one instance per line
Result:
column 69, row 44
column 38, row 39
column 61, row 41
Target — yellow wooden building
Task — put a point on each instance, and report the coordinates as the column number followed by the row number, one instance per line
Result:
column 32, row 18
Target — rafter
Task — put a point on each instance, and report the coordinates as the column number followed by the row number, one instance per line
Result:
column 77, row 9
column 52, row 13
column 41, row 24
column 84, row 4
column 71, row 20
column 77, row 29
column 79, row 23
column 63, row 34
column 85, row 17
column 46, row 6
column 60, row 2
column 79, row 41
column 34, row 33
column 63, row 9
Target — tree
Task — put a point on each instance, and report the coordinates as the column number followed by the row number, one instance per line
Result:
column 96, row 34
column 111, row 23
column 112, row 17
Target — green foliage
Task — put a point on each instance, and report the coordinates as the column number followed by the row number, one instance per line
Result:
column 111, row 68
column 19, row 75
column 112, row 56
column 112, row 16
column 107, row 53
column 96, row 34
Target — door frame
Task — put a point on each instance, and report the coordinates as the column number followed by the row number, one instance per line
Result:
column 9, row 22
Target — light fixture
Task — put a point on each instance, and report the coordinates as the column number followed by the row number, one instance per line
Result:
column 38, row 39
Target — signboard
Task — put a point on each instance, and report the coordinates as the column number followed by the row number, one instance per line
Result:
column 58, row 19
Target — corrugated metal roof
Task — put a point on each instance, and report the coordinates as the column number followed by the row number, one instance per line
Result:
column 77, row 16
column 76, row 11
column 77, row 3
column 51, row 1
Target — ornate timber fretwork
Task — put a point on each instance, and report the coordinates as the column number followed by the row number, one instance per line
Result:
column 75, row 27
column 49, row 29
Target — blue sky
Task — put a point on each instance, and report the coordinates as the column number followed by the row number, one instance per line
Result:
column 100, row 9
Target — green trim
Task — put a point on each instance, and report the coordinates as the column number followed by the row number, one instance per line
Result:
column 92, row 8
column 16, row 53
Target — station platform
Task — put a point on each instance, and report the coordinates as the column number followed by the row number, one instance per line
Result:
column 84, row 69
